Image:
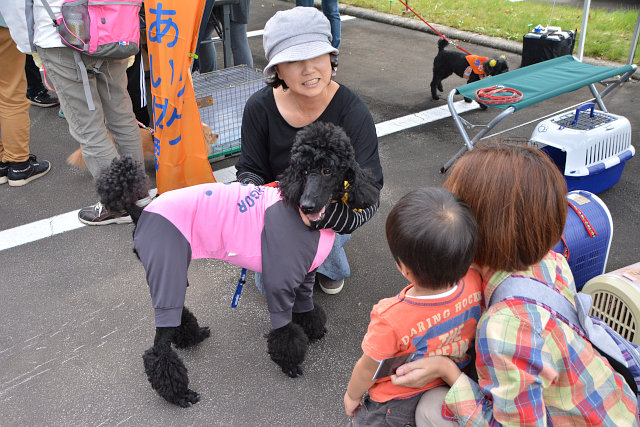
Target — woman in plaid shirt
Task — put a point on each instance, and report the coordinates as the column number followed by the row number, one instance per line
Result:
column 533, row 369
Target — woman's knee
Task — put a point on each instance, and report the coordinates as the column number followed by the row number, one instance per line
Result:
column 429, row 409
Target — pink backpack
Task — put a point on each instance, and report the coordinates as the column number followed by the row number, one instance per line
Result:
column 104, row 28
column 100, row 28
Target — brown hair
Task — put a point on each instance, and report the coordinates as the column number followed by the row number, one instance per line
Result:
column 519, row 199
column 434, row 234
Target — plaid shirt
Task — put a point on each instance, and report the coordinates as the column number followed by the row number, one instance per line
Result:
column 534, row 369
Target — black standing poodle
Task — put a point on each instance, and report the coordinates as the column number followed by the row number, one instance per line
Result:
column 448, row 62
column 260, row 228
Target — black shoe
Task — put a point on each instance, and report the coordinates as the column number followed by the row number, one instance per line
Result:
column 99, row 215
column 44, row 99
column 4, row 171
column 21, row 173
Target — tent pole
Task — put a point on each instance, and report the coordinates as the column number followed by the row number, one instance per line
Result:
column 634, row 41
column 583, row 28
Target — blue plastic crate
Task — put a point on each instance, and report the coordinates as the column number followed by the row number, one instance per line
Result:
column 586, row 237
column 589, row 147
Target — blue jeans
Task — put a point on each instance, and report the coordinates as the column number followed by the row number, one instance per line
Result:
column 335, row 267
column 330, row 10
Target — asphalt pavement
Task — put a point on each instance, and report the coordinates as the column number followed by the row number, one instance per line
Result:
column 77, row 317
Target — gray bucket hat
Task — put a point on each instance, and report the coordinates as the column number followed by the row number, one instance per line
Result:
column 296, row 34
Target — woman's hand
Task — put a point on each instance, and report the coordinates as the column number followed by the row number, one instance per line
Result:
column 351, row 406
column 422, row 371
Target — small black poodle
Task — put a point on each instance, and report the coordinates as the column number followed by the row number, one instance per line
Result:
column 470, row 67
column 265, row 229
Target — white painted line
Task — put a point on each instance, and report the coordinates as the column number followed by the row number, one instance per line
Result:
column 66, row 222
column 69, row 221
column 423, row 117
column 39, row 230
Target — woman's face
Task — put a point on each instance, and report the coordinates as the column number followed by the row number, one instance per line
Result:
column 309, row 77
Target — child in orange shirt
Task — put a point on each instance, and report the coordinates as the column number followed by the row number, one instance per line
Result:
column 432, row 236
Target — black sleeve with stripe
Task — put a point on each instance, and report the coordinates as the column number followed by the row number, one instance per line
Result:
column 345, row 220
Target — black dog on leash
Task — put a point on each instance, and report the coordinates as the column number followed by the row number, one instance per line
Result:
column 260, row 228
column 470, row 67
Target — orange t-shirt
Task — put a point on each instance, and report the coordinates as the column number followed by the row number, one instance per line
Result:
column 443, row 324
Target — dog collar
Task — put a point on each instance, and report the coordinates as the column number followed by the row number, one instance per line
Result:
column 345, row 197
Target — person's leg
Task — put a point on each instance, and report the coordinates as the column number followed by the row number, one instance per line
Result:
column 136, row 86
column 17, row 166
column 395, row 412
column 240, row 45
column 207, row 49
column 34, row 82
column 36, row 91
column 330, row 10
column 257, row 277
column 86, row 126
column 429, row 409
column 118, row 111
column 335, row 268
column 14, row 107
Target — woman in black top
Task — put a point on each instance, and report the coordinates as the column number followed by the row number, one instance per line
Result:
column 300, row 91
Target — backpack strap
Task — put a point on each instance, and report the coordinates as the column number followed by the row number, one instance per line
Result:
column 50, row 12
column 544, row 295
column 82, row 73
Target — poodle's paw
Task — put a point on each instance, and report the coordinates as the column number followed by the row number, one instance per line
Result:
column 188, row 399
column 189, row 333
column 294, row 371
column 312, row 322
column 287, row 346
column 435, row 97
column 168, row 375
column 205, row 332
column 468, row 100
column 482, row 106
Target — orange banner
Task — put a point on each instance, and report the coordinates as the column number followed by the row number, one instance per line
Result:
column 180, row 150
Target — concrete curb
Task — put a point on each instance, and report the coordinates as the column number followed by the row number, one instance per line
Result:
column 452, row 33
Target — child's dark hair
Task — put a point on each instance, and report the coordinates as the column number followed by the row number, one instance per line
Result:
column 434, row 234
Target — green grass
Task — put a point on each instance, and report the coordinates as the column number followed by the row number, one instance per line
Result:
column 608, row 33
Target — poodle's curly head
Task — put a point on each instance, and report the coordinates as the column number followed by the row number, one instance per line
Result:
column 322, row 160
column 121, row 184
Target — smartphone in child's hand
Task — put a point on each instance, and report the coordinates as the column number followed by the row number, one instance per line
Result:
column 387, row 367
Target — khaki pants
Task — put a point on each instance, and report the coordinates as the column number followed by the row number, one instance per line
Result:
column 429, row 409
column 14, row 105
column 113, row 111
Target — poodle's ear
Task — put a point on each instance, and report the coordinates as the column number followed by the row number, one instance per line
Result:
column 291, row 186
column 362, row 189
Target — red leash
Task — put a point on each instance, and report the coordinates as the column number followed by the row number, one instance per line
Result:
column 498, row 95
column 438, row 32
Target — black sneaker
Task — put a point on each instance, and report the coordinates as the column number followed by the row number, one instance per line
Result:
column 99, row 215
column 4, row 171
column 21, row 173
column 44, row 99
